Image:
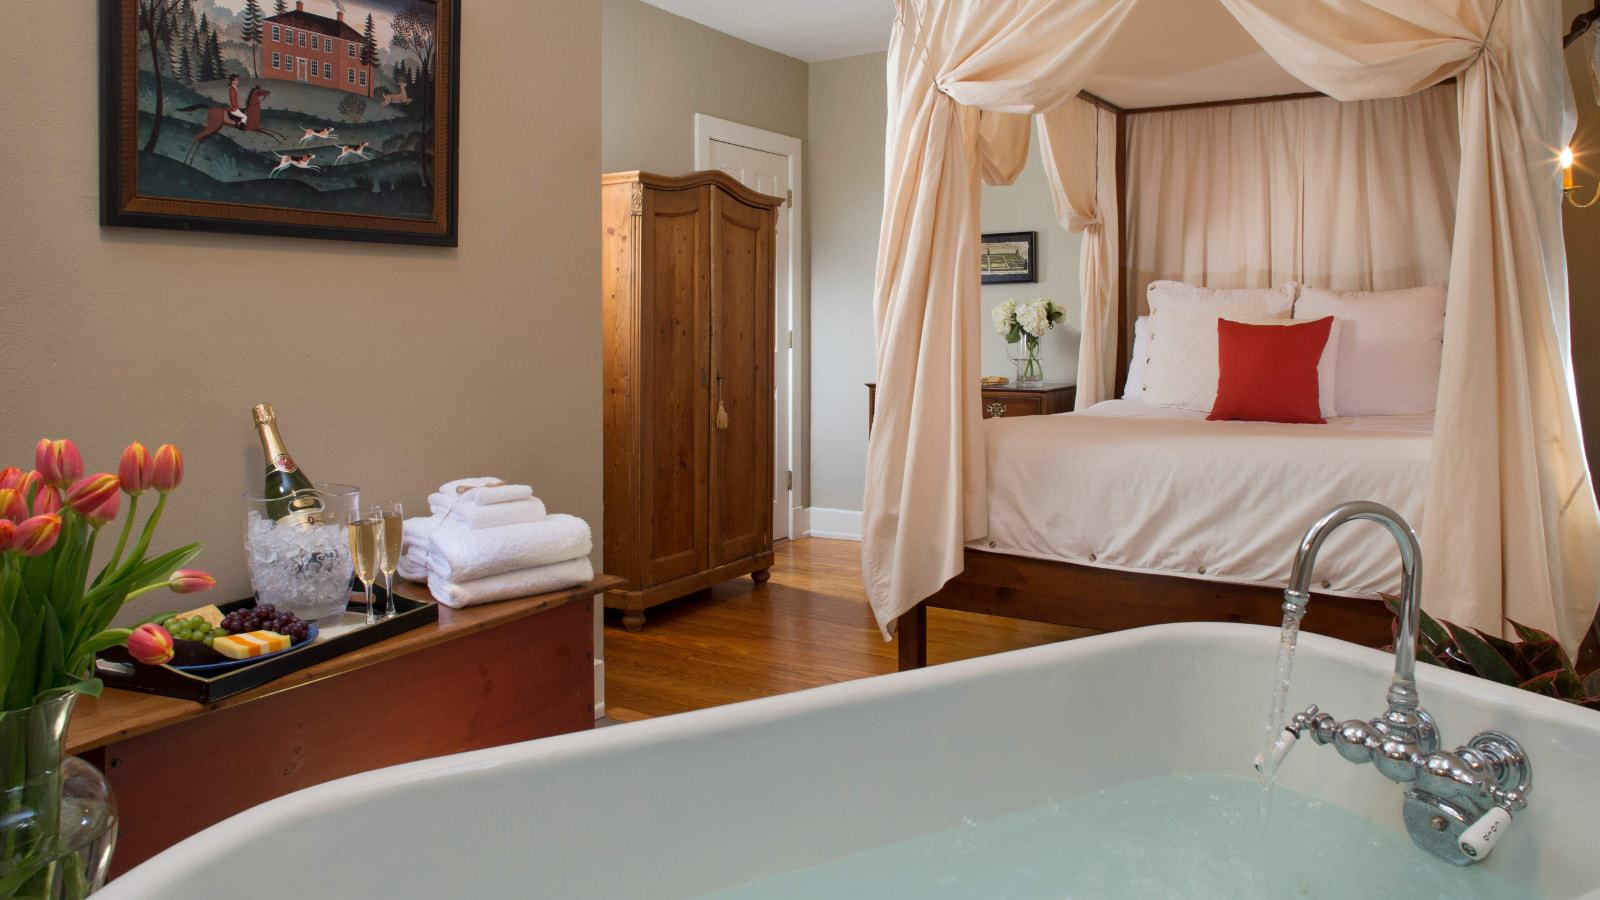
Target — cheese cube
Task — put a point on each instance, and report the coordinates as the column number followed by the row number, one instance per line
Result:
column 255, row 643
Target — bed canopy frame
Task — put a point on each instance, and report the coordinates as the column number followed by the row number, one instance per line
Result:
column 966, row 76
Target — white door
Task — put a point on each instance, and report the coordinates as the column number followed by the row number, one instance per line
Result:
column 769, row 174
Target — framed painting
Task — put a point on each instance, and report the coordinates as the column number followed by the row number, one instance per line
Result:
column 1010, row 257
column 304, row 118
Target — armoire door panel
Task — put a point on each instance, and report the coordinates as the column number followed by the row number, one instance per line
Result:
column 741, row 363
column 674, row 411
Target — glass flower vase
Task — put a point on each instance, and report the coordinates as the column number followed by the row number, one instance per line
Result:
column 1024, row 355
column 57, row 816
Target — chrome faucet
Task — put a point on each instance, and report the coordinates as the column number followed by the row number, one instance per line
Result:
column 1461, row 801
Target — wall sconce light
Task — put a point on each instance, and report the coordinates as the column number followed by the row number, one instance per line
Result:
column 1568, row 189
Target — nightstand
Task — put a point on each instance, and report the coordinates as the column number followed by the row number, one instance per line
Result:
column 1045, row 399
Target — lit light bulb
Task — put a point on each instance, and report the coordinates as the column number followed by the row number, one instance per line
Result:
column 1566, row 157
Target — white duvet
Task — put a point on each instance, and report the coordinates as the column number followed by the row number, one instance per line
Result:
column 1146, row 488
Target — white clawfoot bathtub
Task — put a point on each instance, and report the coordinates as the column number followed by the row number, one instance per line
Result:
column 708, row 801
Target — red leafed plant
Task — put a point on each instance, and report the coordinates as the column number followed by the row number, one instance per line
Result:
column 1534, row 663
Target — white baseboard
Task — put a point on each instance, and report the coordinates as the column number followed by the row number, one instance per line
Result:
column 819, row 521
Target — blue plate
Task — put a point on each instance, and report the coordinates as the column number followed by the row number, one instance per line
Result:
column 227, row 664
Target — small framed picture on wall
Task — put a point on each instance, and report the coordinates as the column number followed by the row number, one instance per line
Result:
column 1010, row 257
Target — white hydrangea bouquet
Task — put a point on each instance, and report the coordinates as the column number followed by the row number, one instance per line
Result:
column 1022, row 325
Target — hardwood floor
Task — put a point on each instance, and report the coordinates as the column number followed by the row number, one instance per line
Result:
column 808, row 626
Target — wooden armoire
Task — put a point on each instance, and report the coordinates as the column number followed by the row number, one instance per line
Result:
column 688, row 296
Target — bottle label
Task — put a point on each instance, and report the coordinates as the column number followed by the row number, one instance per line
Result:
column 283, row 463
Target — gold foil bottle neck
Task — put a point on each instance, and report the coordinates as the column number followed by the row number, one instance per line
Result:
column 263, row 414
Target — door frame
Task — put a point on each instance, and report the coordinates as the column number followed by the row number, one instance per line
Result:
column 708, row 129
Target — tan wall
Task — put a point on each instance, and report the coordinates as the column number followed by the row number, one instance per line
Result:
column 1582, row 227
column 659, row 69
column 396, row 368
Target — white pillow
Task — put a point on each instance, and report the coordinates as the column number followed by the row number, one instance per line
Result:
column 1134, row 386
column 1251, row 303
column 1182, row 370
column 1391, row 349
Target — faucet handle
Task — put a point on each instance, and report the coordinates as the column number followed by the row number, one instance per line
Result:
column 1268, row 760
column 1480, row 837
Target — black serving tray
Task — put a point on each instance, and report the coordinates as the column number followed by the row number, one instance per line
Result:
column 117, row 669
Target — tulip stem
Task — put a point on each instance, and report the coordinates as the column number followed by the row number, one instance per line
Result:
column 146, row 589
column 145, row 536
column 127, row 527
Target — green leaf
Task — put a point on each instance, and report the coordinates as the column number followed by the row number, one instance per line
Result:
column 1543, row 656
column 1426, row 655
column 1430, row 627
column 1591, row 684
column 1568, row 685
column 1486, row 663
column 1541, row 684
column 1529, row 634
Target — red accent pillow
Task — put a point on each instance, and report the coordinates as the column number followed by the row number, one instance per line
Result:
column 1268, row 373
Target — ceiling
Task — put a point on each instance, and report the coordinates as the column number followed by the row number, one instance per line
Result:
column 1156, row 58
column 811, row 30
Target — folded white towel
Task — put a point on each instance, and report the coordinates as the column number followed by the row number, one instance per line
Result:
column 416, row 532
column 462, row 554
column 485, row 490
column 521, row 583
column 413, row 567
column 475, row 516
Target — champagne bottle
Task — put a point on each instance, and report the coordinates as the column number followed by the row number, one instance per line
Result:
column 289, row 493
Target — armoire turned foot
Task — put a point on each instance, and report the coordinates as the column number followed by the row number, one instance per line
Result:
column 688, row 305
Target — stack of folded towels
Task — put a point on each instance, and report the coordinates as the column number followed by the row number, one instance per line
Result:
column 487, row 540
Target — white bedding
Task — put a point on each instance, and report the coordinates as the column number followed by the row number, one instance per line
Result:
column 1145, row 488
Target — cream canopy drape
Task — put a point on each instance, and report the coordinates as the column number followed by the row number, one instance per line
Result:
column 1520, row 542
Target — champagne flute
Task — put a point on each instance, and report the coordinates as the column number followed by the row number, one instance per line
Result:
column 393, row 518
column 364, row 552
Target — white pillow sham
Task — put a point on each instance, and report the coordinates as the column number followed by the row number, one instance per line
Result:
column 1134, row 386
column 1232, row 303
column 1391, row 348
column 1182, row 369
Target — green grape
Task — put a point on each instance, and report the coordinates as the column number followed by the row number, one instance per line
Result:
column 209, row 639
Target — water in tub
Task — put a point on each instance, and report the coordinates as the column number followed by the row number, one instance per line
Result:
column 1178, row 836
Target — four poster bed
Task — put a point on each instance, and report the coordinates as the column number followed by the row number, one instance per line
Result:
column 1316, row 147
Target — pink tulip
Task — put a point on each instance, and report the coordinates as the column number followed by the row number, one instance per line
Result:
column 150, row 644
column 166, row 470
column 190, row 581
column 12, row 506
column 31, row 481
column 133, row 470
column 58, row 461
column 8, row 534
column 10, row 477
column 37, row 535
column 48, row 500
column 95, row 497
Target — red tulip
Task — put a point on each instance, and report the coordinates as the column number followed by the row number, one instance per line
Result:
column 10, row 477
column 95, row 497
column 48, row 500
column 133, row 470
column 12, row 506
column 37, row 535
column 8, row 534
column 150, row 644
column 58, row 461
column 190, row 581
column 31, row 481
column 166, row 470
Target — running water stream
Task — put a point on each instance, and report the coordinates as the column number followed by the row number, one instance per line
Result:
column 1277, row 713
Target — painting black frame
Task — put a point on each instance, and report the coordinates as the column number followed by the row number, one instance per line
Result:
column 120, row 206
column 1031, row 238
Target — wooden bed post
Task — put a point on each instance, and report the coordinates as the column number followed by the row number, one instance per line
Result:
column 911, row 637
